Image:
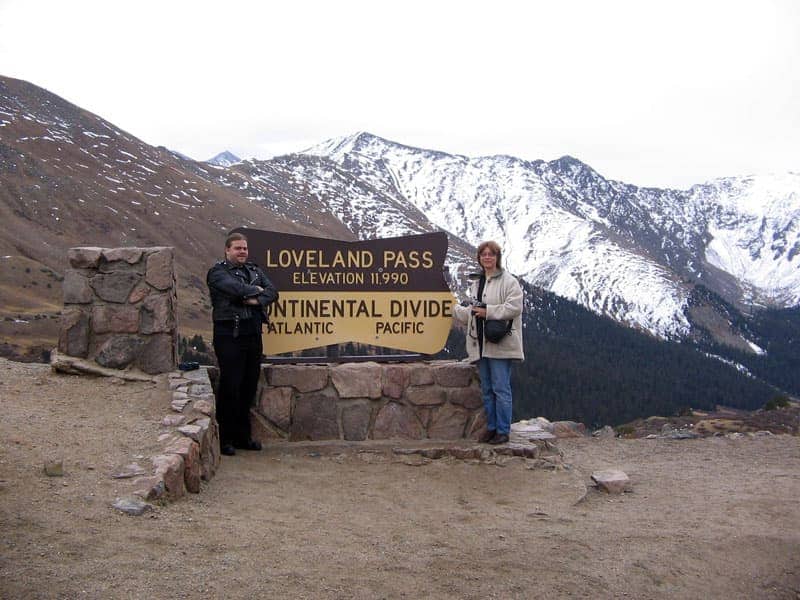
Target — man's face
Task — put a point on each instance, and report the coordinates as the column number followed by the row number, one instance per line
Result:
column 236, row 253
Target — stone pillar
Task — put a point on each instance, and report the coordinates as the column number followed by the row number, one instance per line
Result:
column 120, row 308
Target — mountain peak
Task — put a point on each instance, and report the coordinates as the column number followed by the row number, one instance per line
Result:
column 224, row 159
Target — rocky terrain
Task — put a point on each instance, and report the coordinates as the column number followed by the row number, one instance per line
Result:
column 721, row 421
column 714, row 517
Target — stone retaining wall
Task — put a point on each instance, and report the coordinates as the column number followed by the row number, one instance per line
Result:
column 189, row 444
column 120, row 308
column 369, row 401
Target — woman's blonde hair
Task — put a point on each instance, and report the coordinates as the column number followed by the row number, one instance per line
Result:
column 494, row 247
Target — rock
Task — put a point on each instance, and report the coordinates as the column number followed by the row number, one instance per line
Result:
column 428, row 395
column 138, row 293
column 129, row 255
column 611, row 481
column 541, row 435
column 433, row 453
column 84, row 258
column 477, row 427
column 420, row 374
column 355, row 421
column 455, row 374
column 357, row 380
column 205, row 407
column 315, row 417
column 160, row 272
column 414, row 460
column 276, row 405
column 178, row 404
column 73, row 338
column 127, row 471
column 170, row 467
column 76, row 288
column 306, row 378
column 54, row 468
column 132, row 505
column 681, row 434
column 157, row 314
column 178, row 384
column 173, row 420
column 514, row 449
column 119, row 351
column 526, row 427
column 568, row 429
column 542, row 422
column 115, row 318
column 189, row 450
column 200, row 389
column 159, row 354
column 395, row 379
column 209, row 452
column 606, row 432
column 194, row 432
column 397, row 421
column 462, row 453
column 149, row 488
column 262, row 430
column 468, row 397
column 114, row 287
column 201, row 375
column 448, row 423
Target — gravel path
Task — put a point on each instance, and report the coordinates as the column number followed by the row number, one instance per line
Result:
column 708, row 518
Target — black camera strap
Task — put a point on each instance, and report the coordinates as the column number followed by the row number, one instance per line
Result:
column 479, row 320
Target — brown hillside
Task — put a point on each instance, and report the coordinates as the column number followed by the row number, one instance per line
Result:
column 69, row 178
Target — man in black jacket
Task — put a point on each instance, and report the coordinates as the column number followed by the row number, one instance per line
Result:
column 240, row 294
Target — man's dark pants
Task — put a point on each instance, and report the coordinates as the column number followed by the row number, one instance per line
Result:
column 239, row 368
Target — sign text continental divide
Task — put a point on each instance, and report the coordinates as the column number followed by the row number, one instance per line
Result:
column 388, row 292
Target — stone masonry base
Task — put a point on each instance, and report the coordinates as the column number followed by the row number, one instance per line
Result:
column 435, row 400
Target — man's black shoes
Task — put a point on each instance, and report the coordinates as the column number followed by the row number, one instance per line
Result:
column 249, row 445
column 228, row 450
column 499, row 438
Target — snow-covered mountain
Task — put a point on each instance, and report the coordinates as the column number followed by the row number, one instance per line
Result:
column 224, row 159
column 678, row 263
column 635, row 254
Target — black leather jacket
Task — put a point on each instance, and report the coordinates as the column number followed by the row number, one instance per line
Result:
column 230, row 285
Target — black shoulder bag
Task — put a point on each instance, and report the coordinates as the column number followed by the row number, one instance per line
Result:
column 493, row 330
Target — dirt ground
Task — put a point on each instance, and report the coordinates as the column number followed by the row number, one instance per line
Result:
column 707, row 518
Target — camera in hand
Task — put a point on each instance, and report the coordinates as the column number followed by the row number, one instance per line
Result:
column 474, row 303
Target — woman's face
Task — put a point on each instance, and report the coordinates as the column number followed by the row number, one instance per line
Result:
column 488, row 259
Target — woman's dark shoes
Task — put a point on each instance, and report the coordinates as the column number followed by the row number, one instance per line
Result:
column 228, row 450
column 499, row 438
column 486, row 437
column 249, row 445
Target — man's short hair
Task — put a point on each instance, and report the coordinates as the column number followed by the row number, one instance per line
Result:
column 234, row 237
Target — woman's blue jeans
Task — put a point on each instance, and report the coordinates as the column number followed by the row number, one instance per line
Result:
column 495, row 376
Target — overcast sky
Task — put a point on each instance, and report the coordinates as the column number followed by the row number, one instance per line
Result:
column 663, row 94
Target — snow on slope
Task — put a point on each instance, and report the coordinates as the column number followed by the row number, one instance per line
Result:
column 755, row 233
column 545, row 242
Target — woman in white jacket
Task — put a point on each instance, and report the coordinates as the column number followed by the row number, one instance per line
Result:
column 498, row 296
